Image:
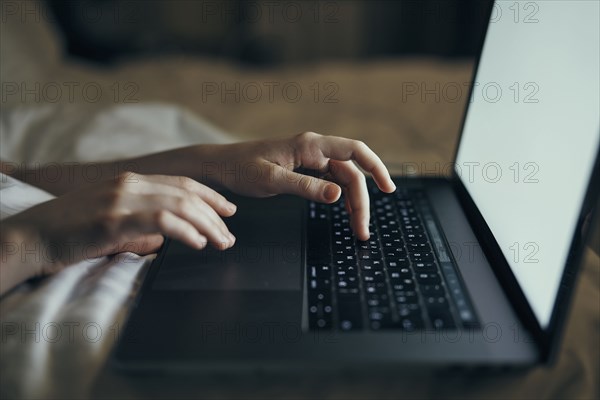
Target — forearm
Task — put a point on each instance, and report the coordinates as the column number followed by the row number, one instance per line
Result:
column 203, row 163
column 21, row 257
column 60, row 178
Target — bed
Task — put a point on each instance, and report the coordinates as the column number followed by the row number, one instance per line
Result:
column 407, row 110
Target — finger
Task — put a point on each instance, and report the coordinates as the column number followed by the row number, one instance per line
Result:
column 203, row 217
column 156, row 190
column 357, row 196
column 309, row 187
column 167, row 224
column 143, row 245
column 343, row 149
column 347, row 203
column 213, row 198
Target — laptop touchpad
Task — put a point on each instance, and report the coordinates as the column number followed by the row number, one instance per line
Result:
column 266, row 255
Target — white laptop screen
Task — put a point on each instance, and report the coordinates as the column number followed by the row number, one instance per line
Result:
column 532, row 133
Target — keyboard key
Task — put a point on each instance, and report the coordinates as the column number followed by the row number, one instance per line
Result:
column 368, row 256
column 436, row 301
column 408, row 297
column 320, row 284
column 350, row 316
column 395, row 261
column 384, row 297
column 378, row 313
column 348, row 295
column 320, row 322
column 418, row 247
column 319, row 271
column 349, row 282
column 416, row 238
column 402, row 273
column 421, row 267
column 378, row 300
column 421, row 257
column 322, row 294
column 403, row 286
column 373, row 276
column 320, row 309
column 382, row 321
column 432, row 290
column 348, row 269
column 405, row 310
column 441, row 318
column 404, row 280
column 376, row 288
column 411, row 323
column 428, row 278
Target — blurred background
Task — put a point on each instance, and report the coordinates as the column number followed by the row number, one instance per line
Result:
column 267, row 32
column 105, row 79
column 395, row 74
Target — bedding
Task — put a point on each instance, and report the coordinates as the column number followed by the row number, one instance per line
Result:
column 407, row 110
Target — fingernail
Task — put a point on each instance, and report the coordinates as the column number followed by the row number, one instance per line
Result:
column 394, row 186
column 201, row 242
column 331, row 192
column 232, row 207
column 233, row 239
column 226, row 240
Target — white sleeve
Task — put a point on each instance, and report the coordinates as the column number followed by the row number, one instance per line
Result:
column 16, row 196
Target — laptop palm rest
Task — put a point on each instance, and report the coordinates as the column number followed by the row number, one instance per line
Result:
column 214, row 304
column 266, row 255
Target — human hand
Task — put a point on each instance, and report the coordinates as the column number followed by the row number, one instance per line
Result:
column 128, row 213
column 269, row 167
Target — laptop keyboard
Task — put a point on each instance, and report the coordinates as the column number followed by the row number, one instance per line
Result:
column 401, row 278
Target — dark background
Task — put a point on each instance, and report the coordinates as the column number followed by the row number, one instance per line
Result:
column 269, row 33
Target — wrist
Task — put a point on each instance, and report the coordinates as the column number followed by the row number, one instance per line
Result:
column 196, row 162
column 22, row 255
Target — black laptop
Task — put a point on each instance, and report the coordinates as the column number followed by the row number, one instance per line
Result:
column 477, row 268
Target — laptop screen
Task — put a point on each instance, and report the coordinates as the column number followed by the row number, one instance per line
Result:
column 531, row 135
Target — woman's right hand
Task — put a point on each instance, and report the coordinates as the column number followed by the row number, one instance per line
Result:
column 128, row 213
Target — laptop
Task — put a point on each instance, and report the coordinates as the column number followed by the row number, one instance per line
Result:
column 475, row 268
